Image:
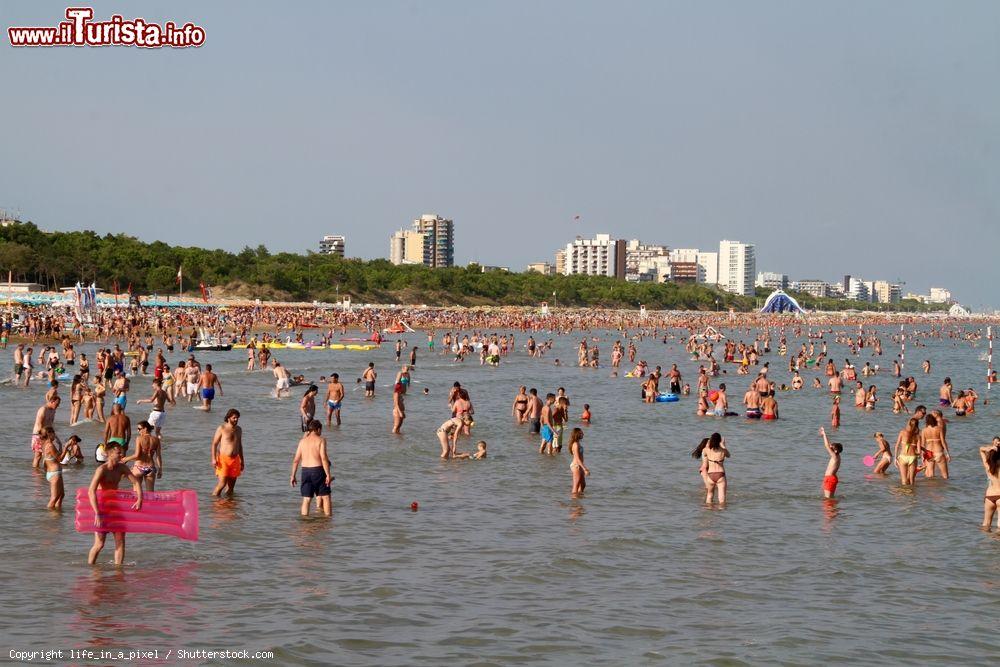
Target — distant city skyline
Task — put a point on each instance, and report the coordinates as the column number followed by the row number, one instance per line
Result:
column 838, row 138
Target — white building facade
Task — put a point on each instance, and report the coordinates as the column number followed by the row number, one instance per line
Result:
column 590, row 257
column 737, row 267
column 771, row 281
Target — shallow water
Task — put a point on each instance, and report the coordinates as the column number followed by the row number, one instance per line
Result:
column 500, row 565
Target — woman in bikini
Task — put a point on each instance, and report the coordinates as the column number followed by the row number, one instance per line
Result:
column 713, row 453
column 961, row 404
column 991, row 462
column 52, row 457
column 871, row 398
column 448, row 436
column 147, row 462
column 577, row 468
column 702, row 402
column 520, row 407
column 99, row 391
column 75, row 397
column 937, row 447
column 398, row 407
column 908, row 449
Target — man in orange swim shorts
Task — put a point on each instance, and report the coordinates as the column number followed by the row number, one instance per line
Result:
column 227, row 453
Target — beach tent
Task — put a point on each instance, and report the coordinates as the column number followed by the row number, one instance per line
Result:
column 779, row 302
column 958, row 311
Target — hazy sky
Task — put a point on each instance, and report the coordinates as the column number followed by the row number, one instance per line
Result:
column 840, row 137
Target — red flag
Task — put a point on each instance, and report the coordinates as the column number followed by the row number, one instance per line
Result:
column 130, row 289
column 204, row 292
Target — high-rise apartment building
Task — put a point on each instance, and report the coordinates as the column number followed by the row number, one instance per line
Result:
column 439, row 240
column 431, row 242
column 599, row 256
column 332, row 245
column 737, row 267
column 857, row 289
column 560, row 263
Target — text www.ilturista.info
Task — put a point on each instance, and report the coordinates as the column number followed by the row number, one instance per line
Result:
column 79, row 30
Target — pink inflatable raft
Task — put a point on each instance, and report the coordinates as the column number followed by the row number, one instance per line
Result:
column 163, row 512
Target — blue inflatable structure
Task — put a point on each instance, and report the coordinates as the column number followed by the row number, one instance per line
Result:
column 779, row 302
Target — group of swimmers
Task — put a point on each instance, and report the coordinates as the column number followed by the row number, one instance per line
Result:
column 916, row 450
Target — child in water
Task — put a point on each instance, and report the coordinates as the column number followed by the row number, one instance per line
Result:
column 479, row 455
column 830, row 479
column 883, row 455
column 835, row 413
column 585, row 417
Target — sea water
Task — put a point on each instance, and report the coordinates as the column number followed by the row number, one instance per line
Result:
column 500, row 565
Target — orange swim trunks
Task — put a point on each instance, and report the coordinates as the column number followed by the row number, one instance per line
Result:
column 228, row 466
column 830, row 483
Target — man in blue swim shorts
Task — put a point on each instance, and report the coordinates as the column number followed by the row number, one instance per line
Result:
column 316, row 477
column 120, row 388
column 334, row 397
column 208, row 382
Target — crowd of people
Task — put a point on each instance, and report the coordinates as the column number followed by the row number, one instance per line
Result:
column 125, row 355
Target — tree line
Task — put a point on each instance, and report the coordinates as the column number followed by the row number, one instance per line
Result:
column 59, row 259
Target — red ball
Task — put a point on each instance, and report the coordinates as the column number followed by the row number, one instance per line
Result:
column 414, row 506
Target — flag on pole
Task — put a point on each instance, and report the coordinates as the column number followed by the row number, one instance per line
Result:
column 204, row 292
column 180, row 276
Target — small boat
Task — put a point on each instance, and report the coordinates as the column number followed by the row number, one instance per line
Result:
column 210, row 345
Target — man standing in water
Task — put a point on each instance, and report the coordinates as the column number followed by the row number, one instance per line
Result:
column 334, row 398
column 158, row 400
column 307, row 407
column 227, row 453
column 118, row 428
column 208, row 382
column 534, row 410
column 107, row 476
column 43, row 418
column 369, row 379
column 316, row 477
column 282, row 383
